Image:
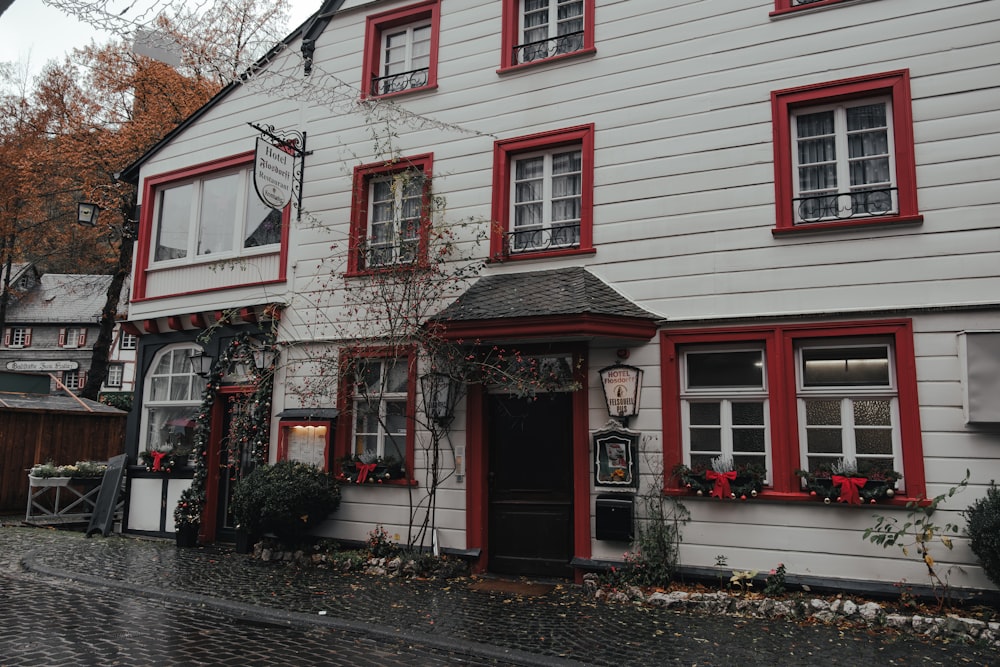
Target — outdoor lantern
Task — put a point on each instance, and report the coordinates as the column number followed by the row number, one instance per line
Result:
column 263, row 356
column 622, row 386
column 440, row 394
column 200, row 362
column 86, row 213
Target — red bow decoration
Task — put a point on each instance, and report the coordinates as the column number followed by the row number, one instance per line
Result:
column 849, row 487
column 157, row 458
column 363, row 470
column 722, row 479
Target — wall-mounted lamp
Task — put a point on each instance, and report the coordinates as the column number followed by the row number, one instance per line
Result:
column 86, row 213
column 201, row 363
column 622, row 387
column 264, row 356
column 440, row 395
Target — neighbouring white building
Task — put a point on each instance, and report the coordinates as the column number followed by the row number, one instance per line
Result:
column 786, row 213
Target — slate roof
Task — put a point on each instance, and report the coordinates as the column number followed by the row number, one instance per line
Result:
column 53, row 403
column 569, row 291
column 63, row 298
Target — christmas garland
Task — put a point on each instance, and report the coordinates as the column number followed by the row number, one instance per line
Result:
column 742, row 482
column 250, row 432
column 848, row 485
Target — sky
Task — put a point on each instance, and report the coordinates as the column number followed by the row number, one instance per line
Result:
column 32, row 32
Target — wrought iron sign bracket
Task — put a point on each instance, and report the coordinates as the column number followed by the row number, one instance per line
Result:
column 293, row 142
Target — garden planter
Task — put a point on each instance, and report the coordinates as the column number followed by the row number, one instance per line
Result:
column 187, row 535
column 49, row 481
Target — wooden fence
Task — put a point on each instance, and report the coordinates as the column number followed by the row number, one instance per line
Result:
column 28, row 437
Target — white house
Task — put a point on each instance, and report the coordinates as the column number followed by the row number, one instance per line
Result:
column 784, row 212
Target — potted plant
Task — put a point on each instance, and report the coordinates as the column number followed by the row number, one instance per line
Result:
column 723, row 479
column 846, row 482
column 187, row 518
column 287, row 499
column 49, row 474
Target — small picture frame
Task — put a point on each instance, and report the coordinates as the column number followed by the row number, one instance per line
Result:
column 615, row 451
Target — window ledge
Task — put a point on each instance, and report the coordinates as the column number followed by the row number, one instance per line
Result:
column 398, row 483
column 542, row 254
column 508, row 69
column 821, row 4
column 848, row 225
column 797, row 497
column 401, row 93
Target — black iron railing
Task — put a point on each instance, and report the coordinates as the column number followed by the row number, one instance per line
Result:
column 546, row 48
column 845, row 205
column 395, row 83
column 535, row 240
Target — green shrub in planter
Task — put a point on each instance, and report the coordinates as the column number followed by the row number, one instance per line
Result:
column 983, row 528
column 287, row 499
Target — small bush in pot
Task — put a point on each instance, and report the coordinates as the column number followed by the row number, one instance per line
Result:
column 287, row 499
column 983, row 528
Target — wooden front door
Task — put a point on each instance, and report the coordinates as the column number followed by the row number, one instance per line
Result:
column 530, row 484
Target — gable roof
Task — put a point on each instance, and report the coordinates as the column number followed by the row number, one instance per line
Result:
column 570, row 302
column 61, row 298
column 310, row 30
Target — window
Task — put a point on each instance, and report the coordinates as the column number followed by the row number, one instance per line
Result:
column 794, row 397
column 401, row 50
column 542, row 30
column 844, row 153
column 214, row 216
column 17, row 337
column 171, row 402
column 128, row 341
column 72, row 337
column 543, row 194
column 116, row 373
column 390, row 214
column 379, row 393
column 785, row 6
column 74, row 379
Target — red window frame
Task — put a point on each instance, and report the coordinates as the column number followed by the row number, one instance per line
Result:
column 511, row 36
column 377, row 24
column 785, row 6
column 345, row 398
column 779, row 344
column 283, row 428
column 363, row 175
column 896, row 85
column 146, row 222
column 504, row 153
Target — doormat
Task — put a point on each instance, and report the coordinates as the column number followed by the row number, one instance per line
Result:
column 515, row 587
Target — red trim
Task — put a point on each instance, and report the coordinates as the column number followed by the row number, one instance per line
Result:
column 782, row 7
column 376, row 24
column 62, row 338
column 359, row 205
column 779, row 343
column 174, row 323
column 146, row 223
column 248, row 314
column 896, row 84
column 511, row 36
column 554, row 326
column 197, row 321
column 504, row 152
column 345, row 423
column 477, row 470
column 283, row 439
column 131, row 328
column 150, row 326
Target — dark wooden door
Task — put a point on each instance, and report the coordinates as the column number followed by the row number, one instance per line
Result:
column 531, row 485
column 233, row 456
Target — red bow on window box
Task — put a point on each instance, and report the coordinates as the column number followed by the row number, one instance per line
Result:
column 849, row 488
column 157, row 460
column 721, row 479
column 363, row 470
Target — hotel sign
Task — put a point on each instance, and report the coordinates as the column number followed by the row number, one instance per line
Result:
column 42, row 366
column 273, row 174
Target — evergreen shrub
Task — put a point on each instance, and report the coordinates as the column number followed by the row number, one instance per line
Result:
column 983, row 528
column 287, row 499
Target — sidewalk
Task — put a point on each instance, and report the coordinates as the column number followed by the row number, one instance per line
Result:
column 562, row 626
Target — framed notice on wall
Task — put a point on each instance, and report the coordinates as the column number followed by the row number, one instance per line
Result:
column 615, row 452
column 305, row 442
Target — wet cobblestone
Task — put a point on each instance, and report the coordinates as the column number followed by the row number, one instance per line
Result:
column 186, row 599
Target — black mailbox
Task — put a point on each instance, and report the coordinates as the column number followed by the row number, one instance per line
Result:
column 615, row 517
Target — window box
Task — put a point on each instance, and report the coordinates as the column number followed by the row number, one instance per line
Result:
column 788, row 6
column 401, row 50
column 843, row 154
column 843, row 482
column 739, row 482
column 540, row 31
column 356, row 471
column 543, row 194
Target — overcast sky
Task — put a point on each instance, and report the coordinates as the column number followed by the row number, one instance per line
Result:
column 34, row 33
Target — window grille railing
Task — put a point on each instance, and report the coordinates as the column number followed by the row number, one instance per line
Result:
column 799, row 3
column 387, row 256
column 546, row 48
column 395, row 83
column 845, row 205
column 536, row 240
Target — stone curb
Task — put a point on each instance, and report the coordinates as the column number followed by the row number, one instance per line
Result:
column 871, row 614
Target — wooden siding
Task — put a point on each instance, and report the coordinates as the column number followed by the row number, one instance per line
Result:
column 30, row 437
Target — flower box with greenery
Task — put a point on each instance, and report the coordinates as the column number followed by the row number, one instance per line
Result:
column 846, row 481
column 724, row 479
column 371, row 469
column 159, row 461
column 49, row 474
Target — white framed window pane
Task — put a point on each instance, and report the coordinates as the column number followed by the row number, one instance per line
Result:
column 173, row 222
column 217, row 214
column 115, row 373
column 724, row 369
column 846, row 367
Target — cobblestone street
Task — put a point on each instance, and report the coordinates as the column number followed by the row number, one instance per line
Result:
column 67, row 600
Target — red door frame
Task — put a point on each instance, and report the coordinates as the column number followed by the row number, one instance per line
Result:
column 477, row 462
column 213, row 462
